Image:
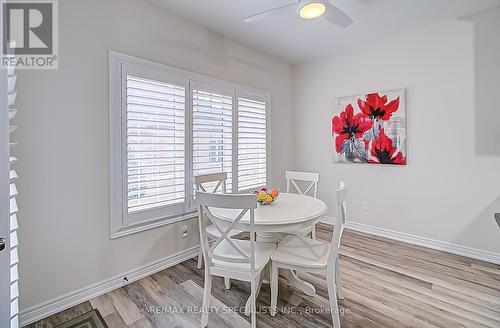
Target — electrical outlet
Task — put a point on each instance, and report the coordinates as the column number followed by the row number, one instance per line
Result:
column 364, row 206
column 184, row 231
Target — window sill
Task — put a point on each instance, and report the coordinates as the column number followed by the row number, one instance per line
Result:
column 146, row 225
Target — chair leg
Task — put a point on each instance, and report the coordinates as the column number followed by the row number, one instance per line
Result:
column 274, row 287
column 259, row 284
column 313, row 232
column 338, row 281
column 253, row 297
column 207, row 294
column 332, row 296
column 227, row 283
column 200, row 259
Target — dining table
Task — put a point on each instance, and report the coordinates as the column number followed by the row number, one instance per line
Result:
column 288, row 214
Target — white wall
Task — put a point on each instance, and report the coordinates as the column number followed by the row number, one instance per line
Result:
column 446, row 192
column 63, row 139
column 487, row 81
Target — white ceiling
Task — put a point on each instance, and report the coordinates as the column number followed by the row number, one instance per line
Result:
column 294, row 40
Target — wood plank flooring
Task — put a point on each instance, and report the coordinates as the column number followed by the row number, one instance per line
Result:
column 386, row 284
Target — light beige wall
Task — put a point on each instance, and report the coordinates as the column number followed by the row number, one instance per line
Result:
column 447, row 192
column 63, row 139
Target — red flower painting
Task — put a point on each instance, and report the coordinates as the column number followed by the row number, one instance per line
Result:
column 384, row 152
column 371, row 128
column 376, row 107
column 347, row 126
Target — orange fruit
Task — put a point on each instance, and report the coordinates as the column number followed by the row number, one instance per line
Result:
column 274, row 192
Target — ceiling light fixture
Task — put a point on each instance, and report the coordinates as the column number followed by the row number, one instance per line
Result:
column 310, row 9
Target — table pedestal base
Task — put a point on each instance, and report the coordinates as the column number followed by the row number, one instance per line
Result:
column 297, row 283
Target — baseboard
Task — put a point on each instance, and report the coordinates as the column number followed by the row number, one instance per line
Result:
column 66, row 301
column 421, row 241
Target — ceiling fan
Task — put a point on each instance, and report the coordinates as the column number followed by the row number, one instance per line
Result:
column 308, row 9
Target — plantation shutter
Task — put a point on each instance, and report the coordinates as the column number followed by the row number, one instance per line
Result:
column 155, row 154
column 9, row 226
column 212, row 131
column 167, row 126
column 252, row 142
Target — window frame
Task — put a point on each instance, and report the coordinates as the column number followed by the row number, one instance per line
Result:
column 123, row 223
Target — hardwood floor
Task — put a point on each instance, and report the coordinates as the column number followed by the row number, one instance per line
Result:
column 386, row 284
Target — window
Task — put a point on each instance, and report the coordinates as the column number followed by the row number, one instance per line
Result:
column 167, row 126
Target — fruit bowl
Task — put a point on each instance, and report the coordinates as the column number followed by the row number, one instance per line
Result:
column 265, row 197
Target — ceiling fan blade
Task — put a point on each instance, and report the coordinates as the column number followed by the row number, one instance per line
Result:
column 336, row 16
column 267, row 13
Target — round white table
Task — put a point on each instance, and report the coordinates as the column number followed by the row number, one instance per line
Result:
column 289, row 214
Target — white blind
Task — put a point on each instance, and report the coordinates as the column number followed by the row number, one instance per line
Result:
column 155, row 144
column 212, row 134
column 252, row 161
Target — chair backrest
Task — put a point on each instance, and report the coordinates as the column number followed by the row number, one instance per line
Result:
column 340, row 218
column 212, row 182
column 292, row 177
column 242, row 204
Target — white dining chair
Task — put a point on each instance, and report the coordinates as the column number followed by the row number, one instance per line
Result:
column 214, row 182
column 231, row 258
column 292, row 179
column 314, row 256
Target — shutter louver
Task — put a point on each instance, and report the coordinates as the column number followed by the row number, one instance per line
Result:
column 155, row 144
column 12, row 113
column 14, row 322
column 14, row 274
column 14, row 290
column 252, row 140
column 14, row 257
column 14, row 308
column 12, row 98
column 12, row 175
column 13, row 190
column 13, row 206
column 13, row 222
column 212, row 134
column 13, row 239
